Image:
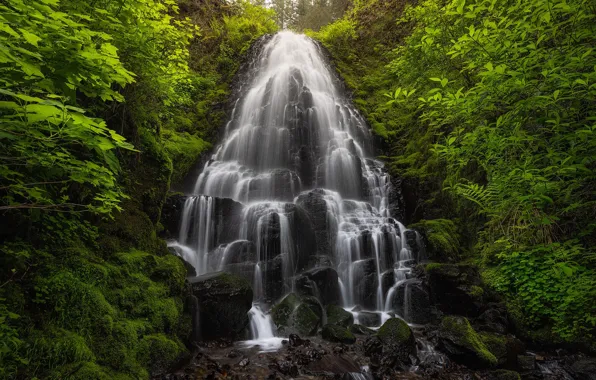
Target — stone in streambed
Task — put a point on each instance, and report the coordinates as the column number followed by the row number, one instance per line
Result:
column 361, row 330
column 295, row 315
column 224, row 300
column 462, row 344
column 338, row 316
column 392, row 349
column 503, row 374
column 338, row 334
column 369, row 318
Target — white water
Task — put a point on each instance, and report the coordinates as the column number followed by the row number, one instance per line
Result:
column 291, row 131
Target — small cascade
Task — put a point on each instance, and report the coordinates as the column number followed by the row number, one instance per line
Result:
column 294, row 188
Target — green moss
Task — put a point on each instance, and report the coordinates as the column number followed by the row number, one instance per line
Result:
column 338, row 334
column 305, row 320
column 184, row 150
column 442, row 236
column 459, row 331
column 338, row 316
column 476, row 291
column 363, row 330
column 282, row 312
column 158, row 351
column 395, row 330
column 433, row 267
column 496, row 344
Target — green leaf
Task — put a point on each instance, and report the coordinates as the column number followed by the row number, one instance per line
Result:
column 30, row 37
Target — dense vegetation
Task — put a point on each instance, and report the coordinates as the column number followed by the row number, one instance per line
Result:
column 103, row 105
column 488, row 113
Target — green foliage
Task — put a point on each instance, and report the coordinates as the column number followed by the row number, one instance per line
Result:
column 183, row 148
column 491, row 115
column 338, row 37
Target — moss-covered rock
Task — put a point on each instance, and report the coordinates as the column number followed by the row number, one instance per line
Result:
column 459, row 340
column 281, row 313
column 396, row 331
column 361, row 330
column 158, row 352
column 297, row 315
column 338, row 316
column 338, row 334
column 224, row 302
column 496, row 344
column 306, row 321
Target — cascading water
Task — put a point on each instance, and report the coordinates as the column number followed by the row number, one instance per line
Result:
column 296, row 159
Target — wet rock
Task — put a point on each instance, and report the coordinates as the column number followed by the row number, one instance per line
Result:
column 234, row 353
column 412, row 300
column 239, row 251
column 369, row 319
column 493, row 318
column 190, row 270
column 366, row 283
column 295, row 341
column 279, row 185
column 361, row 330
column 392, row 349
column 338, row 334
column 294, row 315
column 497, row 345
column 462, row 344
column 224, row 300
column 338, row 316
column 273, row 277
column 503, row 374
column 395, row 331
column 287, row 368
column 315, row 205
column 318, row 261
column 321, row 283
column 526, row 362
column 244, row 270
column 170, row 215
column 332, row 366
column 387, row 281
column 585, row 369
column 455, row 288
column 244, row 362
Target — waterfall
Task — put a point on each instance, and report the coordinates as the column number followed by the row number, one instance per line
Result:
column 298, row 157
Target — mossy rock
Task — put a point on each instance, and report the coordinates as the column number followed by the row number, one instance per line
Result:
column 297, row 315
column 361, row 330
column 496, row 344
column 338, row 334
column 458, row 339
column 306, row 321
column 281, row 313
column 338, row 316
column 396, row 331
column 503, row 374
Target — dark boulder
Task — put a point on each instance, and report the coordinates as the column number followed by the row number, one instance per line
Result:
column 462, row 344
column 584, row 369
column 502, row 374
column 322, row 283
column 361, row 330
column 244, row 270
column 224, row 300
column 315, row 205
column 411, row 300
column 455, row 288
column 338, row 316
column 338, row 334
column 493, row 318
column 332, row 366
column 366, row 283
column 171, row 213
column 392, row 349
column 369, row 318
column 294, row 315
